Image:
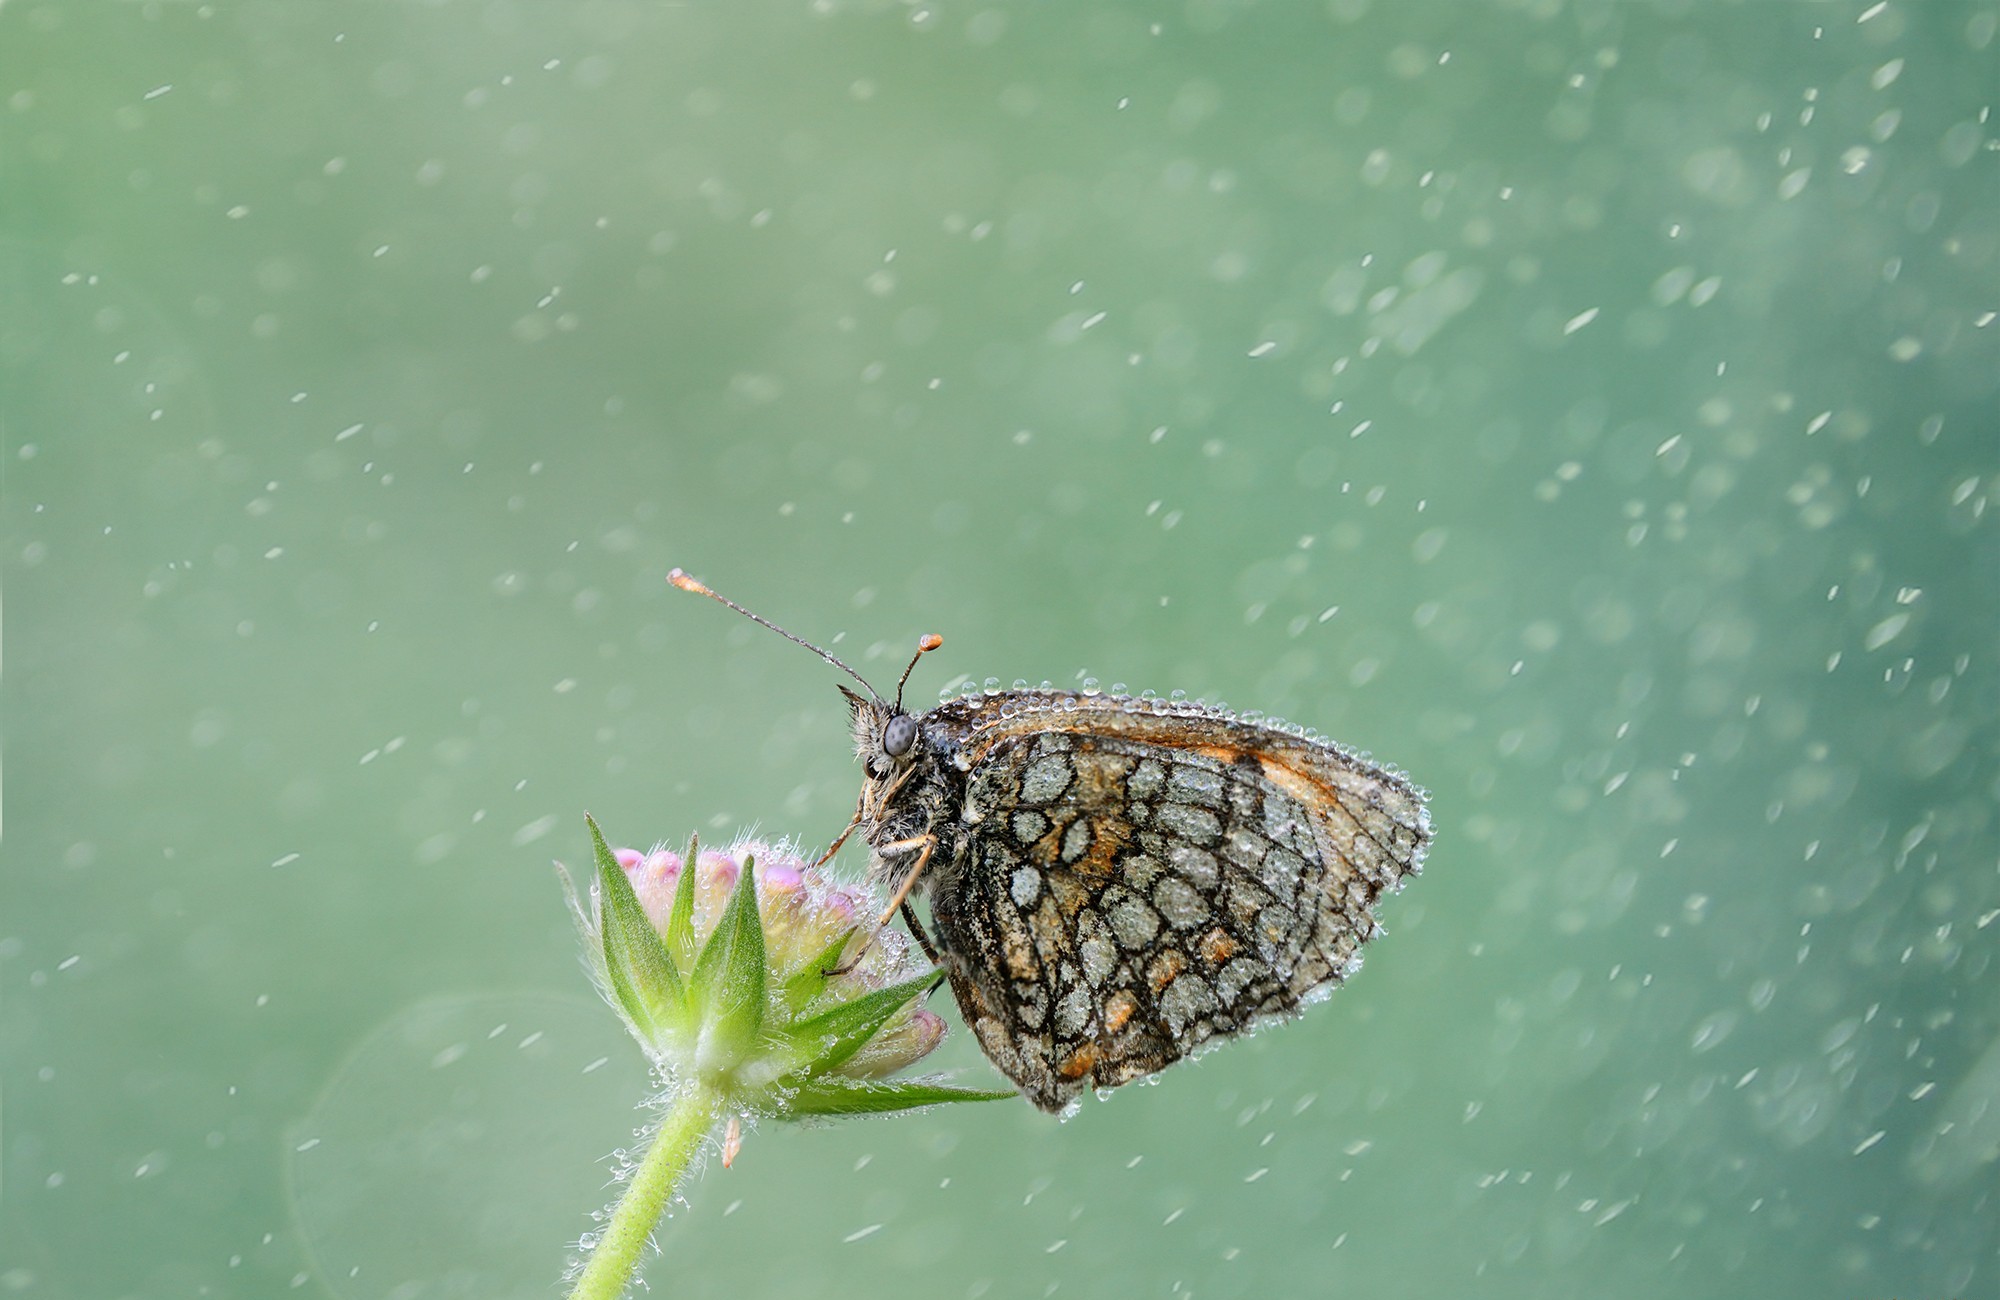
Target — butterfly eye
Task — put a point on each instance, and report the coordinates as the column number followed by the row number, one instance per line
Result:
column 899, row 735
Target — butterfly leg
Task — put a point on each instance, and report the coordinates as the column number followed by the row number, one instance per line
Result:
column 841, row 838
column 899, row 903
column 862, row 813
column 916, row 929
column 925, row 842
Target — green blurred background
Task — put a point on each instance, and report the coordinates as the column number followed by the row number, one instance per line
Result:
column 1587, row 406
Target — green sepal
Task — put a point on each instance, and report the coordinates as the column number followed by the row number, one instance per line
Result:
column 636, row 962
column 852, row 1097
column 726, row 989
column 828, row 1039
column 680, row 918
column 810, row 980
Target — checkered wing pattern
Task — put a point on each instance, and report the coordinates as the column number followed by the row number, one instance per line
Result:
column 1132, row 886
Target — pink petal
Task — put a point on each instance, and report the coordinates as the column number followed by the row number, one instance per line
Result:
column 779, row 875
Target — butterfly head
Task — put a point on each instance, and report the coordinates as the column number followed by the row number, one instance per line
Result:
column 886, row 739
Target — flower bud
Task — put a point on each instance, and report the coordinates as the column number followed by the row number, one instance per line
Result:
column 750, row 974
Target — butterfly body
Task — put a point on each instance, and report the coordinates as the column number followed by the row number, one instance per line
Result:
column 1116, row 883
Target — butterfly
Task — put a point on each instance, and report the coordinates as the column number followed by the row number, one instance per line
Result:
column 1120, row 882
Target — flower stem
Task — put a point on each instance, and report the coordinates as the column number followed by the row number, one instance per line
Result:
column 616, row 1256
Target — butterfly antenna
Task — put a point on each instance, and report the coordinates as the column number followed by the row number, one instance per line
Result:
column 925, row 644
column 699, row 588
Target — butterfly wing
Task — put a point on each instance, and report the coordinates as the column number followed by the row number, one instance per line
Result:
column 1135, row 884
